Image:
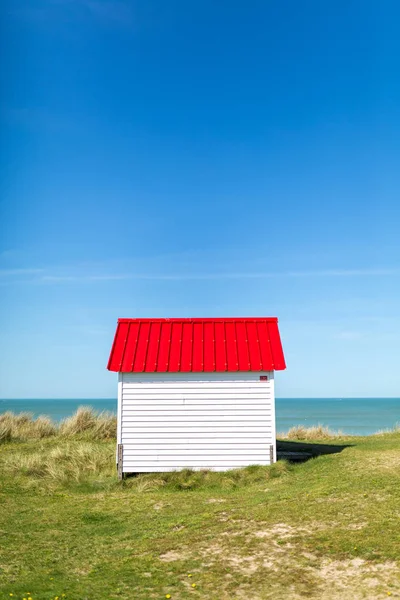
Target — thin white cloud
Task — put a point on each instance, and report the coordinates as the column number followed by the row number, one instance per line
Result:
column 81, row 278
column 46, row 276
column 13, row 272
column 347, row 273
column 90, row 278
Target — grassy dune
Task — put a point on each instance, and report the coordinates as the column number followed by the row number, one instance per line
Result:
column 324, row 529
column 85, row 422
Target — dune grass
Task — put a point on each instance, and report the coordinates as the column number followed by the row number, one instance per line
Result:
column 60, row 463
column 314, row 433
column 327, row 528
column 49, row 464
column 23, row 427
column 84, row 422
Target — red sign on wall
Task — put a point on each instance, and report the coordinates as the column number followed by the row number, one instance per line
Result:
column 263, row 377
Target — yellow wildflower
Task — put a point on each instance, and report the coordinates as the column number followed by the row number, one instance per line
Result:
column 193, row 585
column 168, row 595
column 190, row 575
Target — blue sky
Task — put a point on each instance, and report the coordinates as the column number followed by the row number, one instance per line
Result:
column 200, row 159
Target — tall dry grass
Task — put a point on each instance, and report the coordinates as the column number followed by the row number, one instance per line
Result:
column 321, row 433
column 395, row 429
column 85, row 423
column 317, row 432
column 67, row 462
column 23, row 427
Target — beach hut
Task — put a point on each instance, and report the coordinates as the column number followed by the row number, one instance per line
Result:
column 195, row 393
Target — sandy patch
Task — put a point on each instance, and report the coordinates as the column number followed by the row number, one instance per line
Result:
column 171, row 556
column 274, row 550
column 237, row 562
column 275, row 553
column 386, row 460
column 283, row 531
column 279, row 530
column 357, row 578
column 356, row 526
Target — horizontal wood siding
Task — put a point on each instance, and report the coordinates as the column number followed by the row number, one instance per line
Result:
column 213, row 421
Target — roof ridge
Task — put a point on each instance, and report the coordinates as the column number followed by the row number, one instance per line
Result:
column 194, row 319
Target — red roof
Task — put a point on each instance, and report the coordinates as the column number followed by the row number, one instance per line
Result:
column 196, row 345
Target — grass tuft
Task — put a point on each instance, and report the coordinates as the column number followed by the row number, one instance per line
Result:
column 189, row 480
column 395, row 429
column 86, row 421
column 317, row 432
column 23, row 427
column 68, row 462
column 5, row 432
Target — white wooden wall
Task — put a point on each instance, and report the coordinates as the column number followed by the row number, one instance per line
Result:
column 219, row 421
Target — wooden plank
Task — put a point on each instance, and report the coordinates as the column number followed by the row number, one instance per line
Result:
column 182, row 437
column 228, row 462
column 185, row 429
column 193, row 412
column 211, row 397
column 157, row 453
column 120, row 461
column 198, row 446
column 182, row 378
column 194, row 419
column 196, row 385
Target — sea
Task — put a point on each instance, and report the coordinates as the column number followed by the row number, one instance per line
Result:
column 353, row 416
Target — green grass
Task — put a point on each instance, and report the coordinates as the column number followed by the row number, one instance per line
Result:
column 328, row 528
